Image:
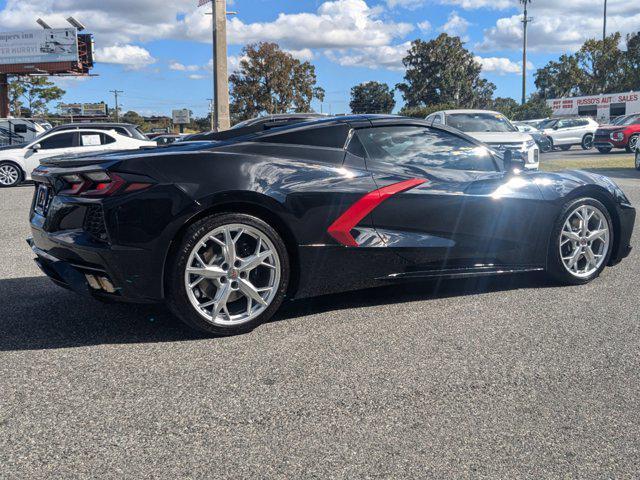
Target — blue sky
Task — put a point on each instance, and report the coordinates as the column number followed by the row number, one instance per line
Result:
column 160, row 56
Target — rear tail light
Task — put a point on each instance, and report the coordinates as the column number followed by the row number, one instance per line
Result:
column 100, row 184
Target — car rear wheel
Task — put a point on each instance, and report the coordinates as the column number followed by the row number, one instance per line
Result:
column 581, row 242
column 633, row 143
column 230, row 274
column 10, row 175
column 564, row 148
column 587, row 142
column 604, row 149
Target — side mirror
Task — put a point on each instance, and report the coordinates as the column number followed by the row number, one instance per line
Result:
column 36, row 147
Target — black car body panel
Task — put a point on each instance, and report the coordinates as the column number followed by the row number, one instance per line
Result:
column 309, row 181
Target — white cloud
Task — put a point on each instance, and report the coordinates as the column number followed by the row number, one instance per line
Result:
column 456, row 25
column 132, row 56
column 304, row 54
column 179, row 67
column 475, row 4
column 408, row 4
column 388, row 57
column 561, row 26
column 196, row 76
column 425, row 26
column 501, row 65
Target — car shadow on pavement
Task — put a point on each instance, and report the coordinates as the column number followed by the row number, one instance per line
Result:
column 37, row 315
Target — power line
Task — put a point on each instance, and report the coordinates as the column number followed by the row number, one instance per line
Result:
column 116, row 93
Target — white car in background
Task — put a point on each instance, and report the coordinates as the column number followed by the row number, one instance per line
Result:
column 491, row 128
column 567, row 132
column 18, row 161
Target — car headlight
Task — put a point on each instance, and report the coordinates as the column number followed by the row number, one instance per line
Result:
column 617, row 136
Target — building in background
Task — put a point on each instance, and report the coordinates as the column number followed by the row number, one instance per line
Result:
column 604, row 107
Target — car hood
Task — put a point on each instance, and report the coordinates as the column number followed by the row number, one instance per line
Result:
column 500, row 137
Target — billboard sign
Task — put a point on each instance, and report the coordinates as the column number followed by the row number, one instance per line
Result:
column 83, row 109
column 39, row 46
column 602, row 107
column 181, row 117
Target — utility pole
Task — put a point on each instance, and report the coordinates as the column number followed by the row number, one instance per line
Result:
column 604, row 25
column 116, row 93
column 220, row 72
column 525, row 21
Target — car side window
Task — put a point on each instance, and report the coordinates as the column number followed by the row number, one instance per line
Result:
column 107, row 139
column 564, row 124
column 90, row 139
column 61, row 140
column 334, row 136
column 437, row 120
column 418, row 148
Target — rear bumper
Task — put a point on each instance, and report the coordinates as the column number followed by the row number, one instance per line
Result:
column 68, row 264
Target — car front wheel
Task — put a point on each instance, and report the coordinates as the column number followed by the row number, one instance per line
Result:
column 581, row 242
column 633, row 143
column 10, row 175
column 229, row 275
column 587, row 142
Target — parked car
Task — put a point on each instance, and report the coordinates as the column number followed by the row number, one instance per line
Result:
column 302, row 210
column 126, row 129
column 637, row 157
column 567, row 132
column 17, row 162
column 544, row 142
column 623, row 134
column 167, row 139
column 259, row 123
column 492, row 128
column 16, row 131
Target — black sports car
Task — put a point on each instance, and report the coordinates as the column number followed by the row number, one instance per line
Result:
column 224, row 231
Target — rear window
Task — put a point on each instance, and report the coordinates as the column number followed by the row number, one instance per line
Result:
column 334, row 136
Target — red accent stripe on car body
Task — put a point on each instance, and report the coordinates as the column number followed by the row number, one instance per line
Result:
column 341, row 228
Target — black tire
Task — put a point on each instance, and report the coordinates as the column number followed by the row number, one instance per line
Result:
column 587, row 142
column 555, row 266
column 546, row 147
column 564, row 148
column 177, row 298
column 17, row 174
column 604, row 149
column 637, row 162
column 632, row 144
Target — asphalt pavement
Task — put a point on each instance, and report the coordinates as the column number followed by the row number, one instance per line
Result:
column 491, row 378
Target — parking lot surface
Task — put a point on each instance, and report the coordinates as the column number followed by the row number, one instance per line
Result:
column 492, row 378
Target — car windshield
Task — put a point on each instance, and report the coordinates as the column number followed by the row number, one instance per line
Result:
column 628, row 120
column 548, row 124
column 480, row 122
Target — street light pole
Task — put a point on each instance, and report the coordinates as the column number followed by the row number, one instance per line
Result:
column 220, row 72
column 604, row 24
column 116, row 93
column 525, row 21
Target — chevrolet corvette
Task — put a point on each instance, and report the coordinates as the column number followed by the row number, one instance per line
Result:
column 224, row 230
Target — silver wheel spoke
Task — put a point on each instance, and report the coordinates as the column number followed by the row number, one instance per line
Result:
column 255, row 260
column 251, row 292
column 207, row 272
column 598, row 234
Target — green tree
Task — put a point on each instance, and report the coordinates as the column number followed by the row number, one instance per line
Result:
column 423, row 112
column 506, row 106
column 133, row 117
column 602, row 63
column 372, row 97
column 632, row 63
column 34, row 94
column 535, row 107
column 271, row 81
column 442, row 71
column 560, row 79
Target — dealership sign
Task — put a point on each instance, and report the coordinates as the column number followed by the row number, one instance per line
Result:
column 39, row 46
column 83, row 109
column 603, row 106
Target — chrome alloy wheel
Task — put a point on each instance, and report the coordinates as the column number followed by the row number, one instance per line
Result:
column 584, row 241
column 9, row 175
column 232, row 275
